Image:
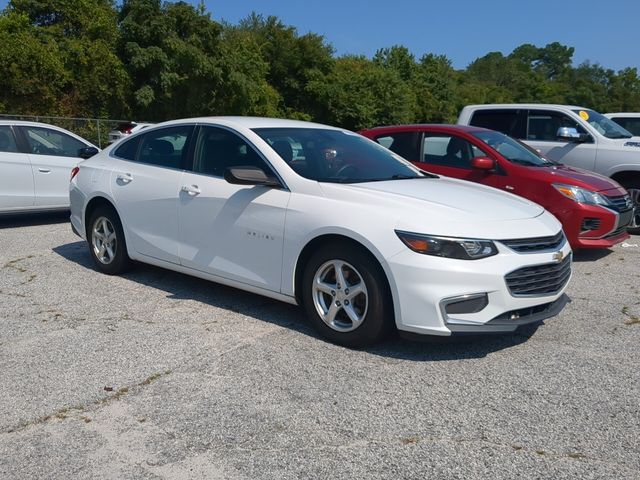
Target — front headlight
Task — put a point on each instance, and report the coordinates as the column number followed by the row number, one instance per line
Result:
column 460, row 248
column 581, row 195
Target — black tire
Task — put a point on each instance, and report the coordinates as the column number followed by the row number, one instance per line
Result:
column 633, row 187
column 119, row 261
column 376, row 309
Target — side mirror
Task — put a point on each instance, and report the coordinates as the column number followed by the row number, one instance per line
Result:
column 248, row 175
column 483, row 163
column 571, row 134
column 87, row 152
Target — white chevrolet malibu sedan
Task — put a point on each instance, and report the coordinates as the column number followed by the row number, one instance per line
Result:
column 322, row 217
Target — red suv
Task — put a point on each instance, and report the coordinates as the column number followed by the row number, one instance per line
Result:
column 594, row 210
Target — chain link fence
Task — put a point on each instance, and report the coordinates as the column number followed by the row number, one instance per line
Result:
column 95, row 130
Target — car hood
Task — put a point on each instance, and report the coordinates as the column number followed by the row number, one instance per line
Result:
column 579, row 177
column 443, row 197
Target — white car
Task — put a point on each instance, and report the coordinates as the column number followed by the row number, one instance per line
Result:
column 125, row 129
column 35, row 164
column 362, row 239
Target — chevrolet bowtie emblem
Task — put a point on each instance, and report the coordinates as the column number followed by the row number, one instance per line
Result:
column 558, row 256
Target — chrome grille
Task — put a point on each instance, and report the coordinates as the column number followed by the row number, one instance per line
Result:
column 621, row 203
column 547, row 279
column 525, row 245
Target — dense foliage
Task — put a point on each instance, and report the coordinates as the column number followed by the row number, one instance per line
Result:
column 152, row 60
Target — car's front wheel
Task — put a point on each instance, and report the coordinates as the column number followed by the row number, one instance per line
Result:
column 345, row 296
column 106, row 242
column 633, row 187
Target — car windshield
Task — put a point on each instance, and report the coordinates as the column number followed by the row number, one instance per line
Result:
column 603, row 125
column 337, row 156
column 513, row 150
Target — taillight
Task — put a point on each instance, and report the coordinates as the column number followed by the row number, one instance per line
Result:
column 74, row 172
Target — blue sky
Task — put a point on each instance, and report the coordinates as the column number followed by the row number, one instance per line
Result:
column 604, row 32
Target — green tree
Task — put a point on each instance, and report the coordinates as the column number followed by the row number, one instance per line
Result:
column 86, row 34
column 624, row 94
column 434, row 87
column 294, row 62
column 34, row 75
column 359, row 94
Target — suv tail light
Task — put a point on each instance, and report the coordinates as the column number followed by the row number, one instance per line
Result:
column 74, row 172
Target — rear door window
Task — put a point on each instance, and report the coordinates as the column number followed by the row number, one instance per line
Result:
column 508, row 121
column 165, row 147
column 405, row 144
column 7, row 140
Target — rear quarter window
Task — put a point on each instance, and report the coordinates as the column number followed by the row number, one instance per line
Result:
column 127, row 149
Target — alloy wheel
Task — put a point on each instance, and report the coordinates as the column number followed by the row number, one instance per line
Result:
column 104, row 240
column 340, row 295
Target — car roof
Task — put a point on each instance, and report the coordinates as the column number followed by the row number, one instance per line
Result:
column 623, row 114
column 526, row 105
column 27, row 123
column 425, row 126
column 250, row 122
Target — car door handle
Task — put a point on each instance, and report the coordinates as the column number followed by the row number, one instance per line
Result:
column 125, row 177
column 44, row 170
column 192, row 190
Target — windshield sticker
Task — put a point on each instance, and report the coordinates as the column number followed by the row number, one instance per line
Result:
column 584, row 115
column 632, row 144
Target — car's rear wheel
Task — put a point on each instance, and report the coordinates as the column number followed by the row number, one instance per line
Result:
column 106, row 242
column 345, row 295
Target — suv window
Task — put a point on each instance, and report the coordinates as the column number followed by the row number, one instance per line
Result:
column 218, row 149
column 405, row 144
column 544, row 124
column 165, row 147
column 629, row 123
column 7, row 140
column 44, row 141
column 508, row 121
column 449, row 150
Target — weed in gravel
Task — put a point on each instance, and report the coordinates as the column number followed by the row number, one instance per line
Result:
column 631, row 319
column 576, row 455
column 410, row 440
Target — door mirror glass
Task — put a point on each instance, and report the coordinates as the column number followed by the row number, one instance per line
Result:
column 483, row 163
column 87, row 152
column 248, row 175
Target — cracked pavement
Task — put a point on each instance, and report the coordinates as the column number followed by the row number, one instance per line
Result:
column 159, row 375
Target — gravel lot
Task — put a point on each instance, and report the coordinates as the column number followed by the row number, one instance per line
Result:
column 160, row 375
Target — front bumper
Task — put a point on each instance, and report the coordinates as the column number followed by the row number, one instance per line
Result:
column 423, row 286
column 610, row 226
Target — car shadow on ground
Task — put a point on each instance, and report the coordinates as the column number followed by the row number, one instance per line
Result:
column 580, row 256
column 15, row 220
column 179, row 286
